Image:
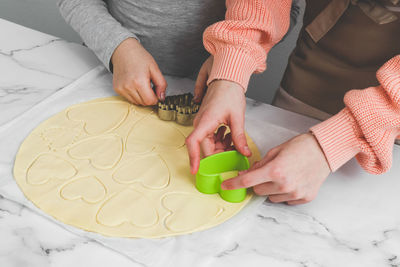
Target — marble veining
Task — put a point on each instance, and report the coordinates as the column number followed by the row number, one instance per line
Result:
column 28, row 239
column 14, row 51
column 35, row 65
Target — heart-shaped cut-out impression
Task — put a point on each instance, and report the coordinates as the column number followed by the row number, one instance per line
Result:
column 151, row 133
column 99, row 117
column 152, row 172
column 89, row 189
column 60, row 137
column 189, row 212
column 49, row 166
column 103, row 152
column 128, row 206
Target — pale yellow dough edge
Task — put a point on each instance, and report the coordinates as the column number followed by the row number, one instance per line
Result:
column 113, row 168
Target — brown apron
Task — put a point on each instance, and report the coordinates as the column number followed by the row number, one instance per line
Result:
column 340, row 47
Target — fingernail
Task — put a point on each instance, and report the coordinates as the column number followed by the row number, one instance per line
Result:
column 162, row 96
column 193, row 169
column 247, row 149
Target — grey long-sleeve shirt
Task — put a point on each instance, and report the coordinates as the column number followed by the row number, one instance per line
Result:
column 171, row 30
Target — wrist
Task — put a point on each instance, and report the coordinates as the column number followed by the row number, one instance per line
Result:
column 319, row 148
column 221, row 83
column 125, row 45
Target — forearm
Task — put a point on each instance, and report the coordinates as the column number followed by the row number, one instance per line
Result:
column 367, row 126
column 98, row 29
column 241, row 42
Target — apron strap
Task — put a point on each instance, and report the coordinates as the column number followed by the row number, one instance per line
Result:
column 375, row 11
column 336, row 8
column 327, row 19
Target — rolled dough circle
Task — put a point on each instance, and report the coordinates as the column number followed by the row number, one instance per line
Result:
column 113, row 168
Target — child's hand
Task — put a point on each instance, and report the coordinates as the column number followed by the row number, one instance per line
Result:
column 134, row 70
column 292, row 172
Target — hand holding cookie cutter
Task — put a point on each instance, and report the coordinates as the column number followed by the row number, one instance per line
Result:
column 179, row 108
column 215, row 169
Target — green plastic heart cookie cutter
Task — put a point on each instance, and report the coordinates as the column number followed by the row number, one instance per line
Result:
column 217, row 168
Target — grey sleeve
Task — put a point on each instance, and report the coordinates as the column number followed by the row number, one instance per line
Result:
column 97, row 28
column 296, row 14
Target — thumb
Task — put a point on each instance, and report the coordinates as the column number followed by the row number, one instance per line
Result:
column 238, row 135
column 159, row 82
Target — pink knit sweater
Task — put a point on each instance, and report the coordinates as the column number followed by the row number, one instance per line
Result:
column 366, row 128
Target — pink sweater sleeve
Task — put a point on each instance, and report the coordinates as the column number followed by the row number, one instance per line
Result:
column 367, row 126
column 240, row 43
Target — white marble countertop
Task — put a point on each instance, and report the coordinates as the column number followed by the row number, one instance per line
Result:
column 355, row 220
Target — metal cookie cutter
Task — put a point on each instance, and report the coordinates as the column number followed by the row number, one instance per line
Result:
column 179, row 108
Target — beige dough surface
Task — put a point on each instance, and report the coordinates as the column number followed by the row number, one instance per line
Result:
column 113, row 168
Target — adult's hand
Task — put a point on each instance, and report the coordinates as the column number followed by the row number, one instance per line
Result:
column 223, row 103
column 134, row 70
column 292, row 172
